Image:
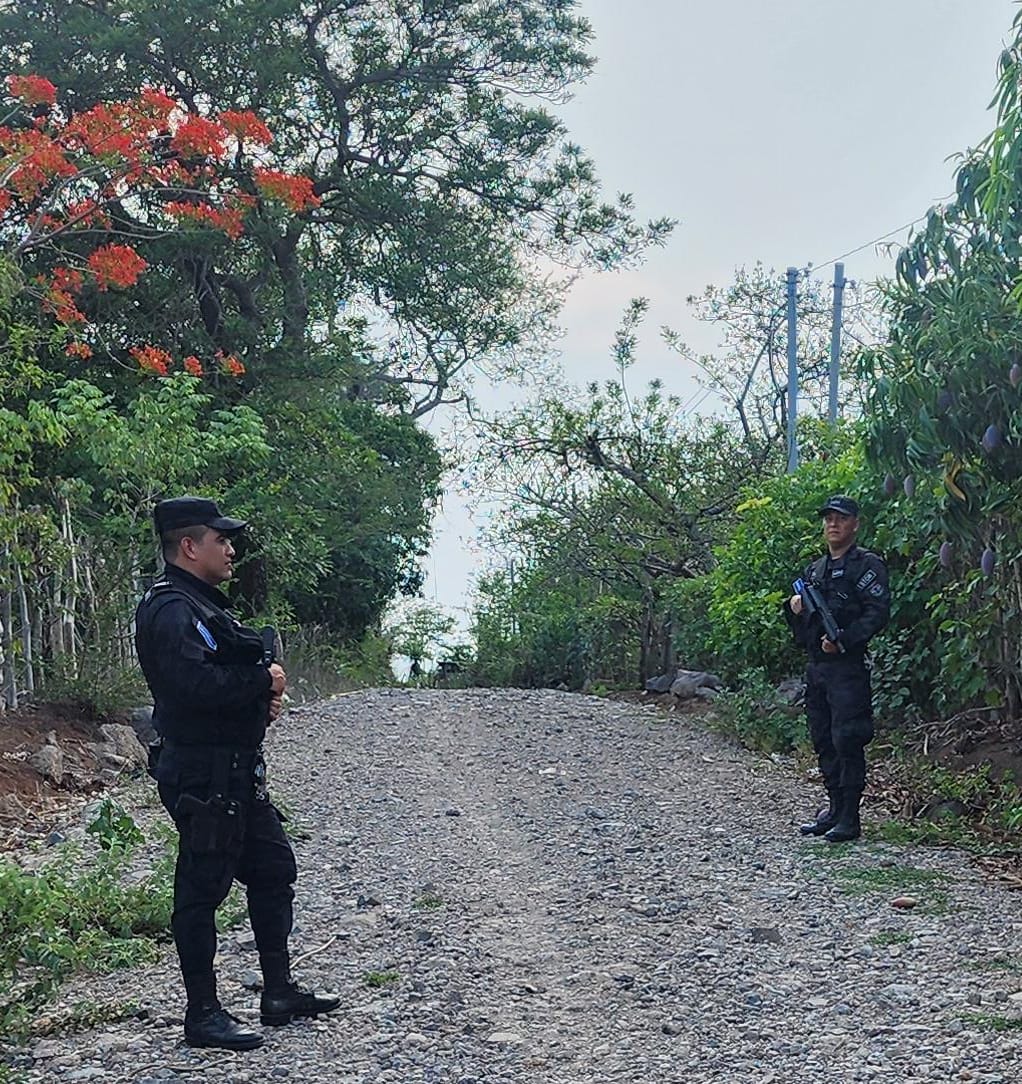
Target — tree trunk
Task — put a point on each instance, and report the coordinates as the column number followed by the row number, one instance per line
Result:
column 38, row 625
column 69, row 631
column 669, row 660
column 646, row 646
column 10, row 676
column 26, row 629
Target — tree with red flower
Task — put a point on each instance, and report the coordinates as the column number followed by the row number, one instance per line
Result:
column 81, row 192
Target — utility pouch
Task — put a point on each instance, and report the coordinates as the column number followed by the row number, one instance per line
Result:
column 212, row 826
column 260, row 792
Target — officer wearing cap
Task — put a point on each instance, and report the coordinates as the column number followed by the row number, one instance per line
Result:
column 853, row 584
column 215, row 691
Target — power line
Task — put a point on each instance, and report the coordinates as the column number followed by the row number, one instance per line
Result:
column 688, row 409
column 877, row 240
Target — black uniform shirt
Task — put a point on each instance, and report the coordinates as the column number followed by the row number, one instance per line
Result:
column 856, row 591
column 203, row 668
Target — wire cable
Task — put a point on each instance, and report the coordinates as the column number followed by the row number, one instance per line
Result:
column 877, row 240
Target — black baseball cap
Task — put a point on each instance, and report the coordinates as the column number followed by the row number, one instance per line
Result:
column 193, row 512
column 845, row 505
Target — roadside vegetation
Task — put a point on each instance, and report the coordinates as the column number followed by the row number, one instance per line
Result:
column 640, row 536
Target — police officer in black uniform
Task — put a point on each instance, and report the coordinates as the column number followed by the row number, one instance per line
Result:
column 839, row 706
column 216, row 689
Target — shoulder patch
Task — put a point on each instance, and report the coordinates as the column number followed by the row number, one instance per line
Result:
column 206, row 635
column 877, row 589
column 866, row 579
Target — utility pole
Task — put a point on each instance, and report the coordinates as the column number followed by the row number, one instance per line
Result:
column 792, row 281
column 835, row 342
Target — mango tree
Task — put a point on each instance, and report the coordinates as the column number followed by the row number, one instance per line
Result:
column 944, row 413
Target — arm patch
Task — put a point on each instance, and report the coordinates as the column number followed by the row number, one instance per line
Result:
column 866, row 579
column 206, row 635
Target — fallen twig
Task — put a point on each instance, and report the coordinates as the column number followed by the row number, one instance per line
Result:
column 312, row 952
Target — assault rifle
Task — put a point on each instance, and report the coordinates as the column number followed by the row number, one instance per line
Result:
column 814, row 603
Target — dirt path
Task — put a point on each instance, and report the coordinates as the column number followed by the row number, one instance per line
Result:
column 516, row 886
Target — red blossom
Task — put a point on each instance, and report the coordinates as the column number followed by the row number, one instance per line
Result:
column 230, row 364
column 198, row 137
column 85, row 212
column 67, row 278
column 79, row 350
column 193, row 365
column 116, row 265
column 32, row 89
column 246, row 125
column 157, row 103
column 293, row 190
column 63, row 307
column 38, row 160
column 229, row 220
column 152, row 359
column 109, row 131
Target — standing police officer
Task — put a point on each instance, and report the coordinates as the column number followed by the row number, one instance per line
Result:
column 215, row 692
column 839, row 706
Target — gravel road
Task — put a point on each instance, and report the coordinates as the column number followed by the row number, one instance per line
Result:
column 535, row 886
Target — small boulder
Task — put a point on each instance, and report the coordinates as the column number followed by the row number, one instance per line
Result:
column 49, row 763
column 765, row 935
column 944, row 809
column 142, row 724
column 791, row 691
column 660, row 684
column 119, row 748
column 687, row 681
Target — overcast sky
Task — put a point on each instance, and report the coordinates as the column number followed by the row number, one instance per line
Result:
column 789, row 132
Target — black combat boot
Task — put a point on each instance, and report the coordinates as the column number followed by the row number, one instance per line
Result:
column 826, row 818
column 848, row 826
column 283, row 1000
column 210, row 1025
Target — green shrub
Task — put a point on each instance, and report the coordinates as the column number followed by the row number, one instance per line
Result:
column 69, row 917
column 114, row 828
column 754, row 714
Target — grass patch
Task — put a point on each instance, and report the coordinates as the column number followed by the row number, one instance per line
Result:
column 997, row 963
column 891, row 937
column 233, row 911
column 857, row 880
column 294, row 826
column 758, row 718
column 975, row 808
column 843, row 854
column 990, row 1022
column 428, row 901
column 952, row 832
column 376, row 979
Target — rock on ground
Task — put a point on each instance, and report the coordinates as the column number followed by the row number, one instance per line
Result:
column 540, row 887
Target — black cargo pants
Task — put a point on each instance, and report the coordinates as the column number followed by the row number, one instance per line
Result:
column 839, row 708
column 243, row 840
